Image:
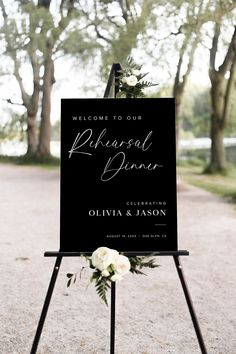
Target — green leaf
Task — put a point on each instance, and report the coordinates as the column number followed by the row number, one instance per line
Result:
column 72, row 278
column 138, row 263
column 136, row 271
column 121, row 95
column 80, row 274
column 102, row 286
column 69, row 275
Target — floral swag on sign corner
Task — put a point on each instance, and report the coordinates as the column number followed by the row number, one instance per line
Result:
column 107, row 264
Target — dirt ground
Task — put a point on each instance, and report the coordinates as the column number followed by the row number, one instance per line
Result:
column 152, row 316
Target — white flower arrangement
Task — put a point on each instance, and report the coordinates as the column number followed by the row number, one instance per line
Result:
column 103, row 258
column 131, row 83
column 131, row 80
column 110, row 266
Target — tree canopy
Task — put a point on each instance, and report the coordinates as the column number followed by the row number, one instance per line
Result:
column 170, row 37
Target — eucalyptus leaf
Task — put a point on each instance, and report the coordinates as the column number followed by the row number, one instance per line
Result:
column 121, row 95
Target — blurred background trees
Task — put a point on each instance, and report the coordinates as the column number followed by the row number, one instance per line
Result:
column 34, row 35
column 78, row 40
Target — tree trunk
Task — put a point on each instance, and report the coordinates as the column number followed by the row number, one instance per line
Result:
column 218, row 161
column 221, row 91
column 45, row 126
column 32, row 110
column 32, row 138
column 178, row 94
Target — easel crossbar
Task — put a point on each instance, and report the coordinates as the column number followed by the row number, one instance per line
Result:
column 79, row 254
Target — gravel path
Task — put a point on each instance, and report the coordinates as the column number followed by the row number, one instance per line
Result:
column 152, row 316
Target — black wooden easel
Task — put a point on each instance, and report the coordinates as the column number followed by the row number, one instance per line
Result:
column 111, row 91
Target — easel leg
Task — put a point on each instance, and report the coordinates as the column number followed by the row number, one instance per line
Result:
column 113, row 312
column 190, row 305
column 46, row 305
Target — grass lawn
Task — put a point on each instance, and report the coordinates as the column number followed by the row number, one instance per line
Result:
column 224, row 186
column 49, row 163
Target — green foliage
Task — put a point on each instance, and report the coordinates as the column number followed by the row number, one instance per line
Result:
column 128, row 28
column 138, row 263
column 211, row 169
column 194, row 161
column 220, row 184
column 102, row 285
column 196, row 111
column 106, row 1
column 231, row 126
column 13, row 128
column 50, row 162
column 71, row 278
column 55, row 131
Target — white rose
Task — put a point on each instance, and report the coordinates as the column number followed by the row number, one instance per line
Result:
column 103, row 257
column 136, row 72
column 116, row 277
column 105, row 273
column 124, row 79
column 131, row 80
column 122, row 265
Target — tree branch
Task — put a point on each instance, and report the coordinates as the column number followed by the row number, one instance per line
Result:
column 129, row 12
column 9, row 100
column 193, row 46
column 123, row 10
column 113, row 22
column 179, row 85
column 100, row 35
column 214, row 47
column 229, row 88
column 180, row 62
column 13, row 55
column 229, row 56
column 61, row 6
column 63, row 23
column 24, row 95
column 37, row 88
column 190, row 60
column 96, row 25
column 4, row 14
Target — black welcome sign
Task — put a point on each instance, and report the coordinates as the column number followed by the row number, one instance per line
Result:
column 118, row 175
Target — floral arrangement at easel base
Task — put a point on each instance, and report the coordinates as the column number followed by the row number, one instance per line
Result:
column 110, row 266
column 131, row 83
